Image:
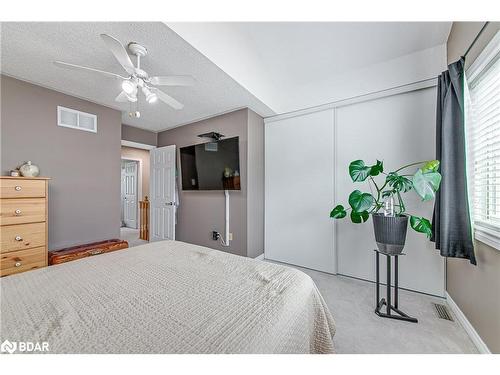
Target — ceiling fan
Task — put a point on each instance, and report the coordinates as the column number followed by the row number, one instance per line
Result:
column 136, row 78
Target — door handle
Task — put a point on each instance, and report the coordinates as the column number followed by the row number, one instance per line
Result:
column 169, row 203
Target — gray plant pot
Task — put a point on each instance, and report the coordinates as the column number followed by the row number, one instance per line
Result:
column 390, row 232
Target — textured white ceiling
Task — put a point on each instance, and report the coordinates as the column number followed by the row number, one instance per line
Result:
column 287, row 64
column 270, row 67
column 28, row 50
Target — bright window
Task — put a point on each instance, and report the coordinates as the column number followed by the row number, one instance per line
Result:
column 483, row 133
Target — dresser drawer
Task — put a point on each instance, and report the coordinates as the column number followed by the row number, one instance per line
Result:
column 22, row 188
column 22, row 210
column 23, row 260
column 22, row 236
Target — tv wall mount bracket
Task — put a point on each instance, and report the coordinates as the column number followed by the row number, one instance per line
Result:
column 213, row 135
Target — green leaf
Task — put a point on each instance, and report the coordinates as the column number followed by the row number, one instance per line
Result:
column 338, row 212
column 422, row 225
column 359, row 217
column 386, row 193
column 359, row 171
column 426, row 184
column 360, row 201
column 399, row 183
column 376, row 169
column 431, row 166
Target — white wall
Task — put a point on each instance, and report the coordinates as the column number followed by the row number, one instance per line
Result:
column 421, row 65
column 292, row 66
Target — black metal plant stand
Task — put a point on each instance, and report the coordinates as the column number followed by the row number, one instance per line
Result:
column 387, row 302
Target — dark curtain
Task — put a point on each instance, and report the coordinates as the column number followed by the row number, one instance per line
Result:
column 451, row 223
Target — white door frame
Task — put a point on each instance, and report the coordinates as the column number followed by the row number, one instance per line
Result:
column 139, row 184
column 141, row 146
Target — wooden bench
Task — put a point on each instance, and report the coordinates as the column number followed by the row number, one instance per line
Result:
column 87, row 250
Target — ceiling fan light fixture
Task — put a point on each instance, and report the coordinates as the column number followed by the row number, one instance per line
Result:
column 129, row 87
column 136, row 78
column 151, row 97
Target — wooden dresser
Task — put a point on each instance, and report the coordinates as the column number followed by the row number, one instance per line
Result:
column 23, row 224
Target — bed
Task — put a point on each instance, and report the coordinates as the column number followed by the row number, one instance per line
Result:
column 166, row 297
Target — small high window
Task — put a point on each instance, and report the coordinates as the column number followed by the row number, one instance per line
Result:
column 71, row 118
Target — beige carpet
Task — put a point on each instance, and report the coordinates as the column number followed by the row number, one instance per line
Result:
column 359, row 330
column 131, row 236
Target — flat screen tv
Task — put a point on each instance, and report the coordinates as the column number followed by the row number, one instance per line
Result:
column 211, row 166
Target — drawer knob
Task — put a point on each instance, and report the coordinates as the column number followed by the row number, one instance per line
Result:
column 19, row 238
column 18, row 264
column 18, row 188
column 17, row 212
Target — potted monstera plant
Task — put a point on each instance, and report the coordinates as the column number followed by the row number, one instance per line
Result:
column 385, row 202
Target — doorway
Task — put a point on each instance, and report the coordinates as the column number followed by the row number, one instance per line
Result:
column 134, row 192
column 129, row 193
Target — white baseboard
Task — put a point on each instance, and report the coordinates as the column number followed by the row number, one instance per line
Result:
column 474, row 336
column 260, row 257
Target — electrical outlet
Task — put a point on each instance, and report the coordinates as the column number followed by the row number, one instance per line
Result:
column 230, row 236
column 215, row 235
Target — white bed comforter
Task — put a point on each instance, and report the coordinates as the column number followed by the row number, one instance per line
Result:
column 166, row 297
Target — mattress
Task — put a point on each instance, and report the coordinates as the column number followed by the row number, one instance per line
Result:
column 166, row 297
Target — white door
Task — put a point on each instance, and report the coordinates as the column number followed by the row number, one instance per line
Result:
column 129, row 193
column 162, row 194
column 398, row 130
column 299, row 191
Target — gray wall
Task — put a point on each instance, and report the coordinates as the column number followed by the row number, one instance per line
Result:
column 255, row 191
column 200, row 212
column 133, row 134
column 84, row 192
column 475, row 289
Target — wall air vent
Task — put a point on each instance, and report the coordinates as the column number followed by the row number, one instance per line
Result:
column 71, row 118
column 442, row 312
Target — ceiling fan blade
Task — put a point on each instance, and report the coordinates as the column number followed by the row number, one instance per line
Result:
column 119, row 51
column 173, row 81
column 168, row 99
column 122, row 97
column 62, row 64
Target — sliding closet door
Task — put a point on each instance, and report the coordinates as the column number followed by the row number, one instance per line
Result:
column 398, row 129
column 299, row 191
